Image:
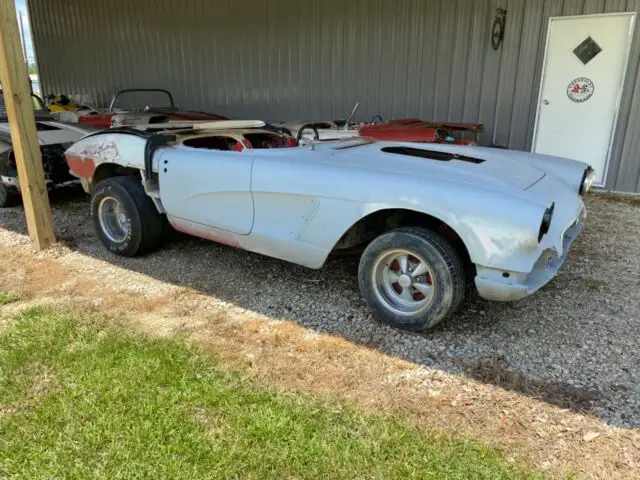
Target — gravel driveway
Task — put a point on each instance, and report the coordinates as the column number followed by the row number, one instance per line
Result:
column 574, row 344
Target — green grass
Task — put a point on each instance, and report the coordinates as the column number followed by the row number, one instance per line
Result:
column 81, row 399
column 7, row 299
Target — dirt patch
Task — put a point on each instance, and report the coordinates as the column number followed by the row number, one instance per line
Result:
column 632, row 199
column 289, row 356
column 521, row 376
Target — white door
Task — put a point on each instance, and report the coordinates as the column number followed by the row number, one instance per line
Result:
column 582, row 80
column 211, row 188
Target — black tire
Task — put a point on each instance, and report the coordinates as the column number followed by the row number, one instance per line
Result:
column 8, row 198
column 146, row 226
column 447, row 277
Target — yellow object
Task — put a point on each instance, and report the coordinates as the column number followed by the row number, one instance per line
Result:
column 72, row 107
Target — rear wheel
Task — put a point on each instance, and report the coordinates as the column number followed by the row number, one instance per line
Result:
column 125, row 218
column 8, row 198
column 412, row 278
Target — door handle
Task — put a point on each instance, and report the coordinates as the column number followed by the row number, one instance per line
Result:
column 546, row 102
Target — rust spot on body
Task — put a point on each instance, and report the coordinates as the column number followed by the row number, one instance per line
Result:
column 83, row 167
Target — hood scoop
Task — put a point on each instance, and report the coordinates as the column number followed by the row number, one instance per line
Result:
column 431, row 154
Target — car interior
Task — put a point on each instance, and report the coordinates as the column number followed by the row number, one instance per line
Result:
column 257, row 140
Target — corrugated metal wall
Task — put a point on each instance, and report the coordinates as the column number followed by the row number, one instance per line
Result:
column 286, row 59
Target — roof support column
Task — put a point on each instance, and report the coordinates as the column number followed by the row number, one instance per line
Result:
column 17, row 96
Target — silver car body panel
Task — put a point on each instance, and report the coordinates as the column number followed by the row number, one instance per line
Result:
column 296, row 203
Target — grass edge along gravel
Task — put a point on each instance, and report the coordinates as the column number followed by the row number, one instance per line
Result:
column 6, row 299
column 80, row 398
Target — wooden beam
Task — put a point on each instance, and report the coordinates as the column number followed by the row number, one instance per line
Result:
column 17, row 97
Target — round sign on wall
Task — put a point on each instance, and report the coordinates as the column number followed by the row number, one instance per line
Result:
column 580, row 90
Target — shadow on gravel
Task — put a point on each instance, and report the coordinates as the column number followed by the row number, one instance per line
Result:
column 495, row 371
column 522, row 347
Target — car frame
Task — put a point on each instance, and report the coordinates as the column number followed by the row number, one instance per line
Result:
column 54, row 138
column 430, row 219
column 114, row 116
column 402, row 130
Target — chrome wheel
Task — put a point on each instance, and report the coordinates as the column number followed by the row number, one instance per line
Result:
column 403, row 282
column 114, row 221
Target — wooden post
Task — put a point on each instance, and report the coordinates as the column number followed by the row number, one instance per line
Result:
column 17, row 97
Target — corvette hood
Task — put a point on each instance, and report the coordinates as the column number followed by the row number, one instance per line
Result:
column 486, row 167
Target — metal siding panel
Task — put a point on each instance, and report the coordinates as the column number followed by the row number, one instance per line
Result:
column 442, row 92
column 573, row 7
column 41, row 30
column 615, row 6
column 387, row 32
column 628, row 174
column 478, row 37
column 315, row 66
column 490, row 78
column 395, row 52
column 508, row 72
column 415, row 53
column 460, row 59
column 624, row 164
column 593, row 6
column 429, row 59
column 282, row 59
column 527, row 78
column 624, row 167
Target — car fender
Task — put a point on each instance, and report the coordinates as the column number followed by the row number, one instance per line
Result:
column 498, row 230
column 89, row 153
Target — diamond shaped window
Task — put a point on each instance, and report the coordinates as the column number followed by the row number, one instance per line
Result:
column 587, row 50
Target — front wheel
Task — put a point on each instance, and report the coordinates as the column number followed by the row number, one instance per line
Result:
column 412, row 278
column 125, row 218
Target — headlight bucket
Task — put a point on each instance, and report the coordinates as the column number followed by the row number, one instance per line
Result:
column 588, row 179
column 545, row 225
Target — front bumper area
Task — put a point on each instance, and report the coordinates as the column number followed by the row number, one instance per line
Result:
column 496, row 286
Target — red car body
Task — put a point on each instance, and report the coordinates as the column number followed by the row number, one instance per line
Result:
column 416, row 130
column 150, row 114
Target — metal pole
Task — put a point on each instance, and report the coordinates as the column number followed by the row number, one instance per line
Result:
column 24, row 41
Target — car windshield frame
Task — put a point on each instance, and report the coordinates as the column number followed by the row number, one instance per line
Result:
column 116, row 97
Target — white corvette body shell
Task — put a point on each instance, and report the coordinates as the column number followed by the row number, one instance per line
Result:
column 297, row 203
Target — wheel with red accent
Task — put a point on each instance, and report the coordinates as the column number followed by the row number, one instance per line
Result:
column 412, row 278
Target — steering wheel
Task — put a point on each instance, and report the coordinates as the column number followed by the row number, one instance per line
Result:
column 377, row 119
column 306, row 126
